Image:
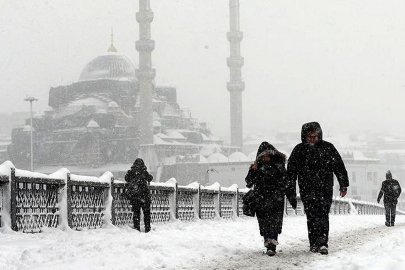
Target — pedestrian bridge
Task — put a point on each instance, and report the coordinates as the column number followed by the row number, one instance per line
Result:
column 355, row 242
column 30, row 201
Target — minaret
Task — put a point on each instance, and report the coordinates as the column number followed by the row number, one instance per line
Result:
column 235, row 85
column 112, row 48
column 145, row 75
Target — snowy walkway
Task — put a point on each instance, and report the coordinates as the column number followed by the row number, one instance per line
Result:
column 356, row 242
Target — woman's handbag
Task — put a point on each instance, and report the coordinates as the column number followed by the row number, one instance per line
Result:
column 249, row 203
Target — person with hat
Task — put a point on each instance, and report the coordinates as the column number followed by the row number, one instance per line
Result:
column 313, row 162
column 137, row 192
column 391, row 190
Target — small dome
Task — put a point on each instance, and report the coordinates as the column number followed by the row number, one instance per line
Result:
column 92, row 124
column 217, row 158
column 237, row 157
column 252, row 156
column 111, row 66
column 113, row 104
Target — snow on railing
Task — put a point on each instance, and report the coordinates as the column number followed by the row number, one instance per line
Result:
column 344, row 206
column 31, row 201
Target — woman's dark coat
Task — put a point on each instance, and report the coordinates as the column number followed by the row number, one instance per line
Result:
column 137, row 179
column 269, row 188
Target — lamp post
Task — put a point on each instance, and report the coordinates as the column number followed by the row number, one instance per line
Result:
column 31, row 99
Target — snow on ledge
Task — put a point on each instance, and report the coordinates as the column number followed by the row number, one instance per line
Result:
column 5, row 168
column 232, row 188
column 60, row 174
column 30, row 174
column 194, row 185
column 105, row 178
column 169, row 183
column 214, row 186
column 244, row 190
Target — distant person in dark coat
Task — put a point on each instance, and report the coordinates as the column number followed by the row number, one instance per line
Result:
column 313, row 162
column 137, row 192
column 391, row 190
column 267, row 176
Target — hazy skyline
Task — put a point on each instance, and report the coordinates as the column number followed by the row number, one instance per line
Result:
column 337, row 63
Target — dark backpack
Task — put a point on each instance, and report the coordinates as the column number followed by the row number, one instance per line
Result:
column 136, row 187
column 133, row 190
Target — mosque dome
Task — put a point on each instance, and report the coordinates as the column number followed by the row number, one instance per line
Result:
column 217, row 158
column 113, row 104
column 237, row 157
column 111, row 66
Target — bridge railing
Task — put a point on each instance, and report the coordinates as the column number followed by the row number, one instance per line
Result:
column 343, row 206
column 34, row 201
column 31, row 201
column 87, row 200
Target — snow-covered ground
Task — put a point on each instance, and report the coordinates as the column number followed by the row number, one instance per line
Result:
column 356, row 242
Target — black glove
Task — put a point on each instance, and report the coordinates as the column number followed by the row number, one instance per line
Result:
column 378, row 201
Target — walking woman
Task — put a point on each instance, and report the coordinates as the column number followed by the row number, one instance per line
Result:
column 267, row 177
column 137, row 192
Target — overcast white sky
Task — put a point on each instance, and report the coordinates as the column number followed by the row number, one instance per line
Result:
column 337, row 62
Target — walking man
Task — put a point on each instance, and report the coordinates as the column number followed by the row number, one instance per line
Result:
column 313, row 162
column 391, row 191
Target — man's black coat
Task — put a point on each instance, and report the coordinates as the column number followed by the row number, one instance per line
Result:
column 391, row 191
column 138, row 178
column 314, row 166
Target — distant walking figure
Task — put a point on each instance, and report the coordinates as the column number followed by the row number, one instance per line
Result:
column 137, row 192
column 267, row 175
column 391, row 190
column 313, row 162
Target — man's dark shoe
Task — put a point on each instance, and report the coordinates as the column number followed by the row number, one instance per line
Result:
column 314, row 249
column 387, row 224
column 323, row 250
column 270, row 252
column 271, row 246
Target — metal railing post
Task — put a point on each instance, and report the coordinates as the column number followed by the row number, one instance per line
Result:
column 113, row 195
column 69, row 201
column 13, row 201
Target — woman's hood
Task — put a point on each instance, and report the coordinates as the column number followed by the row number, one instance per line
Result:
column 264, row 146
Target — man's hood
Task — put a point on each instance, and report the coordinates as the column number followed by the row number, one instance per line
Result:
column 310, row 127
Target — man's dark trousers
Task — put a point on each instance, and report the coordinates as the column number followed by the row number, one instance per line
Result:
column 136, row 208
column 317, row 211
column 390, row 209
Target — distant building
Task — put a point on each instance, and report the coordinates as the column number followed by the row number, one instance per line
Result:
column 364, row 176
column 96, row 121
column 8, row 121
